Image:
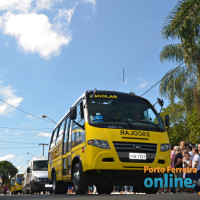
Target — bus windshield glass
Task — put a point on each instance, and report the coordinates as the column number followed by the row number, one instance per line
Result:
column 13, row 182
column 40, row 165
column 120, row 110
column 19, row 178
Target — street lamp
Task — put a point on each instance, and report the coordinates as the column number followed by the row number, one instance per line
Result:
column 44, row 116
column 30, row 154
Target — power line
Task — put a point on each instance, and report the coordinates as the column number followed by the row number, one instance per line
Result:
column 25, row 129
column 162, row 79
column 142, row 57
column 23, row 110
column 2, row 141
column 21, row 147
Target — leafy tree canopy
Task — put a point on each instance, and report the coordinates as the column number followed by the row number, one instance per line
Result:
column 7, row 170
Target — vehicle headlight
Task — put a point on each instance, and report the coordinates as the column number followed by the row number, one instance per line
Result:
column 35, row 178
column 165, row 147
column 99, row 143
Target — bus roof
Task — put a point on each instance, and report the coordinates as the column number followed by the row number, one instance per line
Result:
column 88, row 91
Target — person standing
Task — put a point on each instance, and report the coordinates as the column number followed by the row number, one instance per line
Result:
column 5, row 189
column 178, row 164
column 172, row 190
column 196, row 164
column 190, row 152
column 182, row 148
column 199, row 148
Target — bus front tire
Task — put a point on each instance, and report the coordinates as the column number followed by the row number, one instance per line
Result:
column 104, row 189
column 151, row 190
column 59, row 187
column 79, row 179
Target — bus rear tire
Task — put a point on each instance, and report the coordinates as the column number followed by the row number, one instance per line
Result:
column 79, row 179
column 55, row 184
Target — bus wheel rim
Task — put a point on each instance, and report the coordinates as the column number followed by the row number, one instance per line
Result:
column 76, row 178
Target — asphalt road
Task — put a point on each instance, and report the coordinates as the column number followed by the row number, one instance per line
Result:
column 182, row 196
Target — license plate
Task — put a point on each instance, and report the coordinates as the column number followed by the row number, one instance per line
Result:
column 137, row 156
column 48, row 185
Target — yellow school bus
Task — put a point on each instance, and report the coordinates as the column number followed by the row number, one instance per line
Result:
column 16, row 184
column 12, row 185
column 106, row 139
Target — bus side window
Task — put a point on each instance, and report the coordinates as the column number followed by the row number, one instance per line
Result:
column 61, row 131
column 73, row 139
column 79, row 117
column 70, row 137
column 53, row 142
column 78, row 133
column 66, row 134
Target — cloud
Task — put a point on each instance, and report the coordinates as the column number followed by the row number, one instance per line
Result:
column 43, row 4
column 7, row 157
column 19, row 159
column 21, row 169
column 93, row 2
column 48, row 135
column 34, row 33
column 143, row 85
column 37, row 32
column 65, row 14
column 17, row 5
column 7, row 94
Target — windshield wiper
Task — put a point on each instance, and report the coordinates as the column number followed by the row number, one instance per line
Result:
column 118, row 120
column 146, row 122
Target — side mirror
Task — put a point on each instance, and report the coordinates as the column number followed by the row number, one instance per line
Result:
column 73, row 113
column 167, row 121
column 28, row 170
column 161, row 102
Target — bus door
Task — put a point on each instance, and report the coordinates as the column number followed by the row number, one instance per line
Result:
column 75, row 140
column 66, row 151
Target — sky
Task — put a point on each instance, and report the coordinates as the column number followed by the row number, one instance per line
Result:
column 51, row 51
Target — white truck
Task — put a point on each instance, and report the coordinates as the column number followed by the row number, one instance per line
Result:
column 36, row 176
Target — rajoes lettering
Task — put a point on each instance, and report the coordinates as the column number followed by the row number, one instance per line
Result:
column 105, row 96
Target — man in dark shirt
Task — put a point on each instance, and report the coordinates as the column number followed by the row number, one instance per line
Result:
column 178, row 163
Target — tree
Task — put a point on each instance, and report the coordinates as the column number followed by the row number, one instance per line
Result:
column 132, row 93
column 183, row 24
column 7, row 170
column 178, row 129
column 193, row 122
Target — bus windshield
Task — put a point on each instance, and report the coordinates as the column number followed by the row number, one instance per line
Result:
column 107, row 110
column 19, row 178
column 12, row 181
column 40, row 165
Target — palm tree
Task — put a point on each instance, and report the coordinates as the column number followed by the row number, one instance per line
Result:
column 183, row 24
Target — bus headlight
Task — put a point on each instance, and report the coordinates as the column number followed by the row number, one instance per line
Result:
column 35, row 178
column 99, row 143
column 164, row 147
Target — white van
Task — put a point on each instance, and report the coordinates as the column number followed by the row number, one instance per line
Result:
column 36, row 177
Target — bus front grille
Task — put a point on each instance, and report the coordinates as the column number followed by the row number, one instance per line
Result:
column 124, row 148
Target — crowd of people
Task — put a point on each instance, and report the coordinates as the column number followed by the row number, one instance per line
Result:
column 185, row 156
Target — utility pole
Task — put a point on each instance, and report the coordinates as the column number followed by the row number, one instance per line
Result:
column 123, row 76
column 43, row 146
